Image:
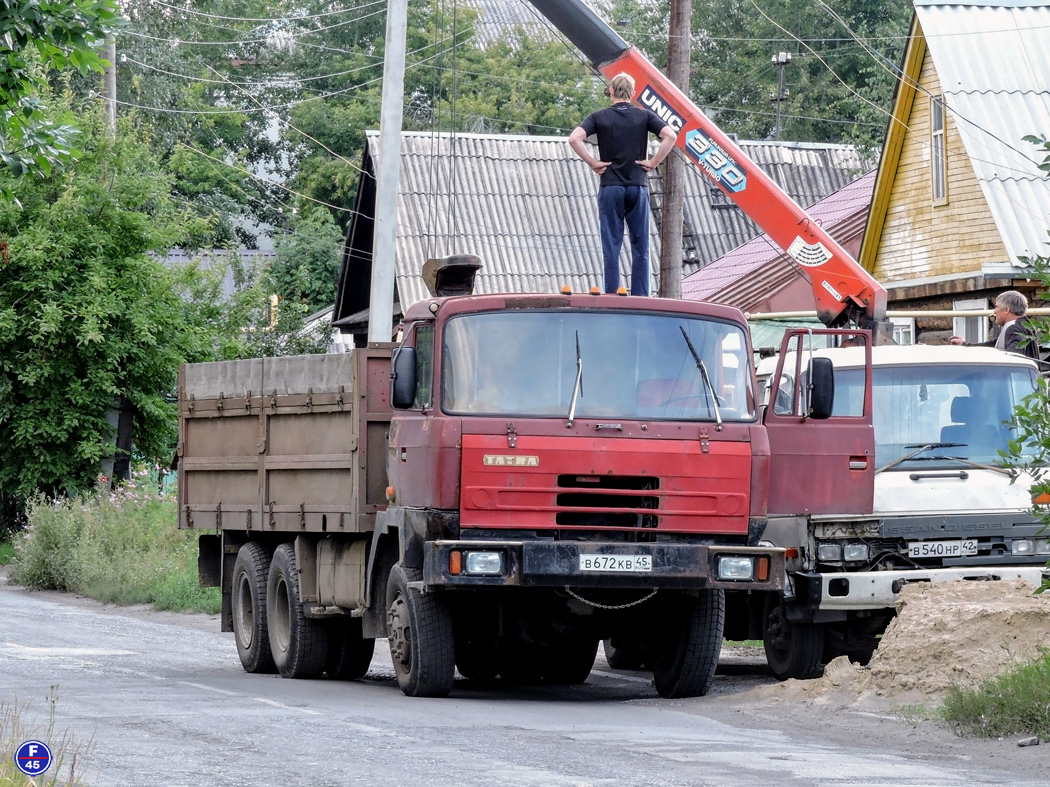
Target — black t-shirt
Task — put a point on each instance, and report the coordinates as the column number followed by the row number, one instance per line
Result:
column 623, row 138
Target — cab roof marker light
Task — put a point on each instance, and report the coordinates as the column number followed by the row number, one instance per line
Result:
column 566, row 290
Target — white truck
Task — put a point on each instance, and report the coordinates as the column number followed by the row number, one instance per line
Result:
column 943, row 507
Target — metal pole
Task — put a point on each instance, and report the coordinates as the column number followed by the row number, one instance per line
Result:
column 381, row 299
column 780, row 60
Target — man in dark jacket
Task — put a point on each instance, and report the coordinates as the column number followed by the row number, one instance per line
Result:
column 623, row 198
column 1015, row 336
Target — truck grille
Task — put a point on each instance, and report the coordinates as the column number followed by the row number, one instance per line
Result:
column 610, row 501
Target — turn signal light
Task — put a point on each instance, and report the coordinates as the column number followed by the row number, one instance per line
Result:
column 762, row 569
column 455, row 562
column 1042, row 500
column 390, row 495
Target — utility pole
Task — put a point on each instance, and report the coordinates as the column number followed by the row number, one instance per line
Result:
column 780, row 60
column 109, row 86
column 384, row 238
column 671, row 213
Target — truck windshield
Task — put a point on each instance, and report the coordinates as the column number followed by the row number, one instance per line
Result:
column 965, row 408
column 634, row 366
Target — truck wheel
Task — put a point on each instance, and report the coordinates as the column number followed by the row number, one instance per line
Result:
column 249, row 608
column 421, row 644
column 477, row 660
column 349, row 653
column 685, row 660
column 793, row 650
column 299, row 645
column 626, row 654
column 569, row 663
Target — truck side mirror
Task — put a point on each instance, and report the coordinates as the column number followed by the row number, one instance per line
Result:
column 822, row 391
column 403, row 378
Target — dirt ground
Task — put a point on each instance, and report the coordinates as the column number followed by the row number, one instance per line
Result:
column 952, row 633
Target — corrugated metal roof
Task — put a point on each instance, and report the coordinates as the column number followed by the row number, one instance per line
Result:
column 994, row 66
column 528, row 207
column 760, row 267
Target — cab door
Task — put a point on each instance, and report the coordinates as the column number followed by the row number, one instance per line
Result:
column 820, row 465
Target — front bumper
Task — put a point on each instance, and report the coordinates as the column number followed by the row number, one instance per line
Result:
column 557, row 563
column 851, row 591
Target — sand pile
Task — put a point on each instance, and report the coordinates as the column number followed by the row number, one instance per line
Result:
column 949, row 633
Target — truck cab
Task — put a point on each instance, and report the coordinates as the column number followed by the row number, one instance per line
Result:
column 944, row 507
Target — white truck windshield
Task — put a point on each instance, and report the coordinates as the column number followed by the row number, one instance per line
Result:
column 634, row 366
column 965, row 407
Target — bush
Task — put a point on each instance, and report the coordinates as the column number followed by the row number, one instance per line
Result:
column 1016, row 702
column 122, row 547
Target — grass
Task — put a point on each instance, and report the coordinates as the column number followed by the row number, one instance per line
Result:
column 742, row 643
column 67, row 764
column 1017, row 702
column 7, row 553
column 121, row 547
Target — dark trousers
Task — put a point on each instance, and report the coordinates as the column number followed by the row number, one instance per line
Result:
column 619, row 206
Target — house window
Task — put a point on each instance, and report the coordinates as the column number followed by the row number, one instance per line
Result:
column 938, row 152
column 903, row 330
column 974, row 330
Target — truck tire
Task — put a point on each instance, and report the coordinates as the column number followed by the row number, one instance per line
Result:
column 793, row 650
column 685, row 660
column 299, row 645
column 248, row 603
column 349, row 653
column 421, row 644
column 627, row 654
column 569, row 663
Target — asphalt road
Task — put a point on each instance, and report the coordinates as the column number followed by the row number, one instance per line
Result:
column 163, row 701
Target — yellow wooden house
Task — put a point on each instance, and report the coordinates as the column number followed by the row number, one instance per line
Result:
column 959, row 199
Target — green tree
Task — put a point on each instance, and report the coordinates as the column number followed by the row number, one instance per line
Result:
column 36, row 37
column 87, row 315
column 307, row 260
column 1030, row 452
column 840, row 81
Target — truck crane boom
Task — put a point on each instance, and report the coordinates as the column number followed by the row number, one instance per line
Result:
column 844, row 292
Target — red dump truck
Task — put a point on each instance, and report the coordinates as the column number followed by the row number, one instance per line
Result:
column 520, row 478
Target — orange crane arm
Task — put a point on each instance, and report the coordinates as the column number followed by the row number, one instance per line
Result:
column 842, row 289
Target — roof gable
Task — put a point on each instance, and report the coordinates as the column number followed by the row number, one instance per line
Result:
column 994, row 67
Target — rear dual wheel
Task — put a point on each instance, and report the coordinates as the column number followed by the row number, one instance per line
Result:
column 248, row 602
column 299, row 644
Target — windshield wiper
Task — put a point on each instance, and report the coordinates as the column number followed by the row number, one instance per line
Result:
column 577, row 388
column 707, row 380
column 920, row 449
column 965, row 461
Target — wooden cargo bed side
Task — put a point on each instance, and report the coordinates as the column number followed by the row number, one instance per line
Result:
column 282, row 444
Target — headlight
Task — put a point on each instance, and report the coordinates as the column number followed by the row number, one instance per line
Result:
column 831, row 553
column 1022, row 546
column 855, row 552
column 490, row 563
column 1042, row 546
column 740, row 568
